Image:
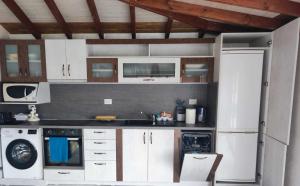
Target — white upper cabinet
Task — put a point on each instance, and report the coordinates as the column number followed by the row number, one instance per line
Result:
column 282, row 80
column 148, row 155
column 66, row 60
column 161, row 156
column 239, row 90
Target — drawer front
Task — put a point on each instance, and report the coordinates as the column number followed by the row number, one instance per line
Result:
column 100, row 170
column 100, row 144
column 99, row 133
column 100, row 155
column 63, row 174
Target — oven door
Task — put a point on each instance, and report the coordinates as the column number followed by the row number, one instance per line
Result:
column 75, row 158
column 20, row 92
column 21, row 154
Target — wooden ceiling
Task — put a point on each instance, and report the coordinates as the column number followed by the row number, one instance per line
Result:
column 202, row 16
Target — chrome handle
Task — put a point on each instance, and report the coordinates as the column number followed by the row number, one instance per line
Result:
column 63, row 69
column 99, row 143
column 151, row 138
column 100, row 163
column 25, row 92
column 144, row 138
column 200, row 158
column 98, row 132
column 63, row 172
column 69, row 139
column 148, row 79
column 69, row 66
column 99, row 153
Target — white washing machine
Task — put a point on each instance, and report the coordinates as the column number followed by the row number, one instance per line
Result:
column 22, row 153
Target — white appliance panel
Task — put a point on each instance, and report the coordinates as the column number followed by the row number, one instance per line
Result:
column 239, row 91
column 239, row 157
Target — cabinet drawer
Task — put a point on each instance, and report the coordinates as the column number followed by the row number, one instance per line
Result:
column 100, row 170
column 64, row 174
column 100, row 144
column 100, row 155
column 99, row 133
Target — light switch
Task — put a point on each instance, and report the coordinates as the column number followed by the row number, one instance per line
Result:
column 107, row 101
column 192, row 101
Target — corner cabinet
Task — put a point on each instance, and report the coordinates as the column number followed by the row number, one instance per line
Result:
column 197, row 70
column 102, row 69
column 66, row 60
column 23, row 60
column 148, row 155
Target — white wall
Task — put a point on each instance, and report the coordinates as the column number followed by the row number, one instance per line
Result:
column 292, row 177
column 3, row 33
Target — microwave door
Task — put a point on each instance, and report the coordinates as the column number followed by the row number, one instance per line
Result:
column 25, row 93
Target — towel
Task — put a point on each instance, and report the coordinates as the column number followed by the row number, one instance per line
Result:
column 59, row 149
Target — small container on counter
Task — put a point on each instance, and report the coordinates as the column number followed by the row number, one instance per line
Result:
column 201, row 114
column 180, row 110
column 190, row 115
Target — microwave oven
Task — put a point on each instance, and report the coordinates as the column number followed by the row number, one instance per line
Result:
column 26, row 92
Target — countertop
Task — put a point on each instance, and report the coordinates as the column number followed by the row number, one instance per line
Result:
column 104, row 124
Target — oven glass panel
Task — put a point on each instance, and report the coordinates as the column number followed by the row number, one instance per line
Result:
column 133, row 70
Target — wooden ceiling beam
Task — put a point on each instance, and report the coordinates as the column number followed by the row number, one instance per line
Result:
column 132, row 20
column 278, row 6
column 197, row 22
column 59, row 18
column 150, row 41
column 219, row 15
column 93, row 9
column 107, row 27
column 18, row 12
column 169, row 24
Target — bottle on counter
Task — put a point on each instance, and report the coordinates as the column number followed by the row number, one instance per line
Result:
column 201, row 114
column 180, row 110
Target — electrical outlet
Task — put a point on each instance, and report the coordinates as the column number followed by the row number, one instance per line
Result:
column 192, row 101
column 107, row 101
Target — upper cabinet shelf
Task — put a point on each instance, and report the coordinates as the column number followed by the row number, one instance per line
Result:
column 260, row 40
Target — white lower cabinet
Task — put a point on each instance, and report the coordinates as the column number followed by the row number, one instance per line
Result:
column 100, row 170
column 100, row 155
column 63, row 174
column 148, row 155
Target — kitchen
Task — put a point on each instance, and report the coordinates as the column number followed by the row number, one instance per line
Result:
column 148, row 105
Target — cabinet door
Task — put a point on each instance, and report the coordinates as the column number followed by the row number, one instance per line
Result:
column 56, row 59
column 161, row 156
column 35, row 67
column 239, row 157
column 197, row 70
column 282, row 80
column 11, row 61
column 135, row 150
column 102, row 69
column 274, row 162
column 76, row 59
column 239, row 91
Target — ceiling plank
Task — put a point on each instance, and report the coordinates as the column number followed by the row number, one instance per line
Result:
column 132, row 21
column 197, row 22
column 59, row 18
column 96, row 18
column 220, row 15
column 18, row 12
column 107, row 27
column 279, row 6
column 169, row 24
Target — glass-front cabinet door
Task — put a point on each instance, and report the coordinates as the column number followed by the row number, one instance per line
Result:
column 197, row 70
column 102, row 69
column 23, row 61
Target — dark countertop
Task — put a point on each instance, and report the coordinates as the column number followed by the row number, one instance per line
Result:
column 104, row 124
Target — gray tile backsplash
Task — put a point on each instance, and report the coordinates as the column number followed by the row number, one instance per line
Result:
column 84, row 101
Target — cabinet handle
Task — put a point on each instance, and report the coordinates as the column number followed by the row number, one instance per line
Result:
column 98, row 132
column 63, row 172
column 100, row 163
column 200, row 158
column 151, row 138
column 69, row 67
column 63, row 69
column 99, row 153
column 144, row 138
column 98, row 143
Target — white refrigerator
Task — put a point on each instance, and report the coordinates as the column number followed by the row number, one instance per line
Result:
column 239, row 92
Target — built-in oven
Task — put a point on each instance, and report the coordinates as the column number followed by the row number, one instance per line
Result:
column 75, row 148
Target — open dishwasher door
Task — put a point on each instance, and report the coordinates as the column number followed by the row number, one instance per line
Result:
column 199, row 167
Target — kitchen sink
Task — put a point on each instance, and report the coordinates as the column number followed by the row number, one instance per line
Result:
column 146, row 123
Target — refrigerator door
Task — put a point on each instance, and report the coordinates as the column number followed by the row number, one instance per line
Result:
column 239, row 157
column 239, row 91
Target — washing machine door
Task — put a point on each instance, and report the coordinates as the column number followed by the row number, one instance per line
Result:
column 21, row 154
